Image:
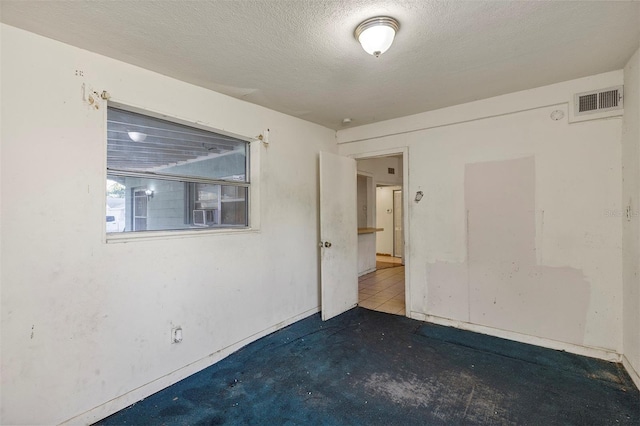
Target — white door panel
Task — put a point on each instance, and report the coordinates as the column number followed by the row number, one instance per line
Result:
column 339, row 234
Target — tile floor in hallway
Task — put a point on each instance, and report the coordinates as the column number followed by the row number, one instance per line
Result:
column 383, row 290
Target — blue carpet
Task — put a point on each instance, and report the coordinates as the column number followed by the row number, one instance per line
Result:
column 371, row 368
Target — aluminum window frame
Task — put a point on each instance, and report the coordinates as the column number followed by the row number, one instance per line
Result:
column 250, row 211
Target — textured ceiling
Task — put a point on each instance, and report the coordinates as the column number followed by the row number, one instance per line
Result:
column 300, row 57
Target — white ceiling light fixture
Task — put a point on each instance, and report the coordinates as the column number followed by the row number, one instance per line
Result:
column 137, row 136
column 376, row 34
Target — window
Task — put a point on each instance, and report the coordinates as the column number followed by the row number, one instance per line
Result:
column 167, row 176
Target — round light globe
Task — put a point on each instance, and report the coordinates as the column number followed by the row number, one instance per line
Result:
column 376, row 34
column 377, row 40
column 137, row 136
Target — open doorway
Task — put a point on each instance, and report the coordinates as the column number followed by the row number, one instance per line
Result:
column 382, row 286
column 389, row 218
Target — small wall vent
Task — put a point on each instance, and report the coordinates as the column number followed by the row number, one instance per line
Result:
column 598, row 101
column 596, row 104
column 587, row 103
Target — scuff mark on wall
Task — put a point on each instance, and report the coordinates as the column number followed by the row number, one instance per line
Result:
column 543, row 301
column 502, row 284
column 448, row 290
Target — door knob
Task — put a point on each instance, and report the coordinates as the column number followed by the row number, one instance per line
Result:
column 327, row 244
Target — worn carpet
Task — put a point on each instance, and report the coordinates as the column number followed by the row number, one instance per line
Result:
column 370, row 368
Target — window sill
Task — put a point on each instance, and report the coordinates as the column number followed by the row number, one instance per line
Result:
column 127, row 237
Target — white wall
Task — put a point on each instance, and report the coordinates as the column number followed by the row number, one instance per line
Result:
column 631, row 198
column 550, row 192
column 379, row 168
column 84, row 321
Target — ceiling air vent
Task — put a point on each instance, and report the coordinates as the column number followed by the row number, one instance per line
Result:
column 598, row 101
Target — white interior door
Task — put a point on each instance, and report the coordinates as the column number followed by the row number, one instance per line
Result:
column 339, row 234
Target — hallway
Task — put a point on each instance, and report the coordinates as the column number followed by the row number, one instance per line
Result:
column 383, row 290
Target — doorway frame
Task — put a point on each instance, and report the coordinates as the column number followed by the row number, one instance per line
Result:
column 370, row 222
column 404, row 152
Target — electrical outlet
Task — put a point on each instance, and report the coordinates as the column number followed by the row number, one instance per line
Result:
column 176, row 334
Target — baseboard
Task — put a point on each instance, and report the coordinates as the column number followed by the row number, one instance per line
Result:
column 366, row 272
column 593, row 352
column 123, row 401
column 635, row 376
